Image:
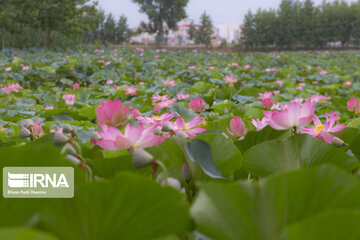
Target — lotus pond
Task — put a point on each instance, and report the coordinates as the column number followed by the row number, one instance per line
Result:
column 184, row 145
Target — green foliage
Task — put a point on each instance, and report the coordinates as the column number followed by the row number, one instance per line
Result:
column 274, row 207
column 300, row 23
column 202, row 34
column 161, row 12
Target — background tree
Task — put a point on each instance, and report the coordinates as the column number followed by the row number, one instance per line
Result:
column 249, row 31
column 123, row 32
column 203, row 34
column 286, row 28
column 109, row 30
column 192, row 31
column 205, row 30
column 161, row 12
column 10, row 11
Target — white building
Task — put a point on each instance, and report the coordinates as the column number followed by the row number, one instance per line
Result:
column 229, row 32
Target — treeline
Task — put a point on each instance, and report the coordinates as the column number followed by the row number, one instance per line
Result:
column 58, row 23
column 302, row 24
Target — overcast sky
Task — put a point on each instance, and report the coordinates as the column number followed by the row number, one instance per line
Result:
column 221, row 11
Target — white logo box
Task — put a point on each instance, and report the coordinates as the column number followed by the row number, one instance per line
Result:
column 38, row 182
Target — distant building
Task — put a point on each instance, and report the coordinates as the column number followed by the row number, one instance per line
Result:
column 228, row 32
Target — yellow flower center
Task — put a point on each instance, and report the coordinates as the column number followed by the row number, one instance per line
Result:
column 157, row 117
column 186, row 126
column 319, row 128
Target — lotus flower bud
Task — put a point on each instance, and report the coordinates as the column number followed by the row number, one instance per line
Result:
column 24, row 132
column 198, row 105
column 73, row 159
column 141, row 158
column 67, row 128
column 166, row 128
column 68, row 149
column 60, row 139
column 337, row 142
column 182, row 134
column 95, row 136
column 173, row 182
column 157, row 131
column 186, row 172
column 27, row 123
column 237, row 127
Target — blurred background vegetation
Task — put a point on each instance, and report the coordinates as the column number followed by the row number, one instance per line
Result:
column 59, row 24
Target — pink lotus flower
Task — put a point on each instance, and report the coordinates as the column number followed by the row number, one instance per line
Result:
column 180, row 96
column 37, row 129
column 69, row 99
column 323, row 72
column 121, row 58
column 247, row 66
column 323, row 131
column 109, row 82
column 58, row 130
column 136, row 137
column 157, row 109
column 264, row 95
column 75, row 86
column 157, row 120
column 107, row 63
column 318, row 67
column 260, row 124
column 197, row 105
column 316, row 98
column 166, row 103
column 296, row 116
column 348, row 83
column 8, row 69
column 270, row 69
column 6, row 90
column 300, row 86
column 192, row 67
column 130, row 91
column 280, row 82
column 238, row 128
column 72, row 69
column 211, row 68
column 353, row 105
column 230, row 79
column 25, row 68
column 112, row 113
column 187, row 128
column 267, row 103
column 157, row 97
column 13, row 87
column 48, row 107
column 276, row 92
column 170, row 83
column 297, row 100
column 307, row 69
column 234, row 64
